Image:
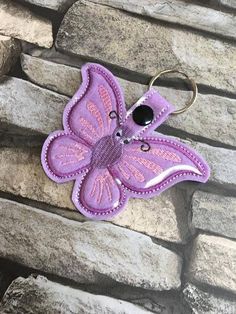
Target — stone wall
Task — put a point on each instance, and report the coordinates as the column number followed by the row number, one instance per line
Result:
column 172, row 254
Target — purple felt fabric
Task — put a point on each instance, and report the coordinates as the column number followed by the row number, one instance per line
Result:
column 104, row 155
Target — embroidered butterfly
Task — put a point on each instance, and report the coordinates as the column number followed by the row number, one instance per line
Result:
column 113, row 154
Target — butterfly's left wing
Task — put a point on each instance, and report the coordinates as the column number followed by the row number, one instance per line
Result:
column 166, row 163
column 68, row 152
column 87, row 115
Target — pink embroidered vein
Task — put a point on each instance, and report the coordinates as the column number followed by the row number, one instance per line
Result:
column 97, row 115
column 123, row 172
column 86, row 124
column 70, row 154
column 135, row 172
column 165, row 154
column 162, row 153
column 106, row 99
column 108, row 188
column 147, row 163
column 102, row 186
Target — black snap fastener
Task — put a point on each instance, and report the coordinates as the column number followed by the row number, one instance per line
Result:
column 143, row 115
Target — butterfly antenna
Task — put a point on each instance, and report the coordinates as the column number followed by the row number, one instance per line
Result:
column 145, row 147
column 114, row 115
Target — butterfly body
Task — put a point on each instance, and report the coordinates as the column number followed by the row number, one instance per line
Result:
column 106, row 152
column 101, row 147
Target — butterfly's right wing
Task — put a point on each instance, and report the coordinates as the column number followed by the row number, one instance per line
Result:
column 144, row 174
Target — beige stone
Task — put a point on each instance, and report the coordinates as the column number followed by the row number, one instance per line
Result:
column 9, row 52
column 182, row 13
column 163, row 217
column 27, row 295
column 213, row 262
column 127, row 41
column 19, row 22
column 89, row 252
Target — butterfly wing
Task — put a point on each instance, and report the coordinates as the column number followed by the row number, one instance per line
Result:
column 167, row 162
column 86, row 119
column 87, row 114
column 97, row 195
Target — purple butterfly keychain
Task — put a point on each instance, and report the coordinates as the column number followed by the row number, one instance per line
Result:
column 114, row 154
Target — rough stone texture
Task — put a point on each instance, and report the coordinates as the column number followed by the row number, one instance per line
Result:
column 88, row 252
column 214, row 213
column 30, row 107
column 22, row 174
column 39, row 295
column 231, row 4
column 211, row 117
column 163, row 217
column 56, row 5
column 57, row 77
column 204, row 302
column 180, row 12
column 115, row 37
column 9, row 52
column 221, row 162
column 213, row 262
column 159, row 302
column 19, row 22
column 220, row 127
column 66, row 79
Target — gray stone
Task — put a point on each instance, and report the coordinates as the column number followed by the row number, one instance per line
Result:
column 164, row 217
column 161, row 302
column 180, row 12
column 113, row 36
column 66, row 79
column 22, row 175
column 212, row 116
column 9, row 52
column 56, row 5
column 27, row 106
column 213, row 262
column 214, row 213
column 221, row 162
column 39, row 295
column 89, row 252
column 57, row 77
column 205, row 302
column 19, row 22
column 231, row 4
